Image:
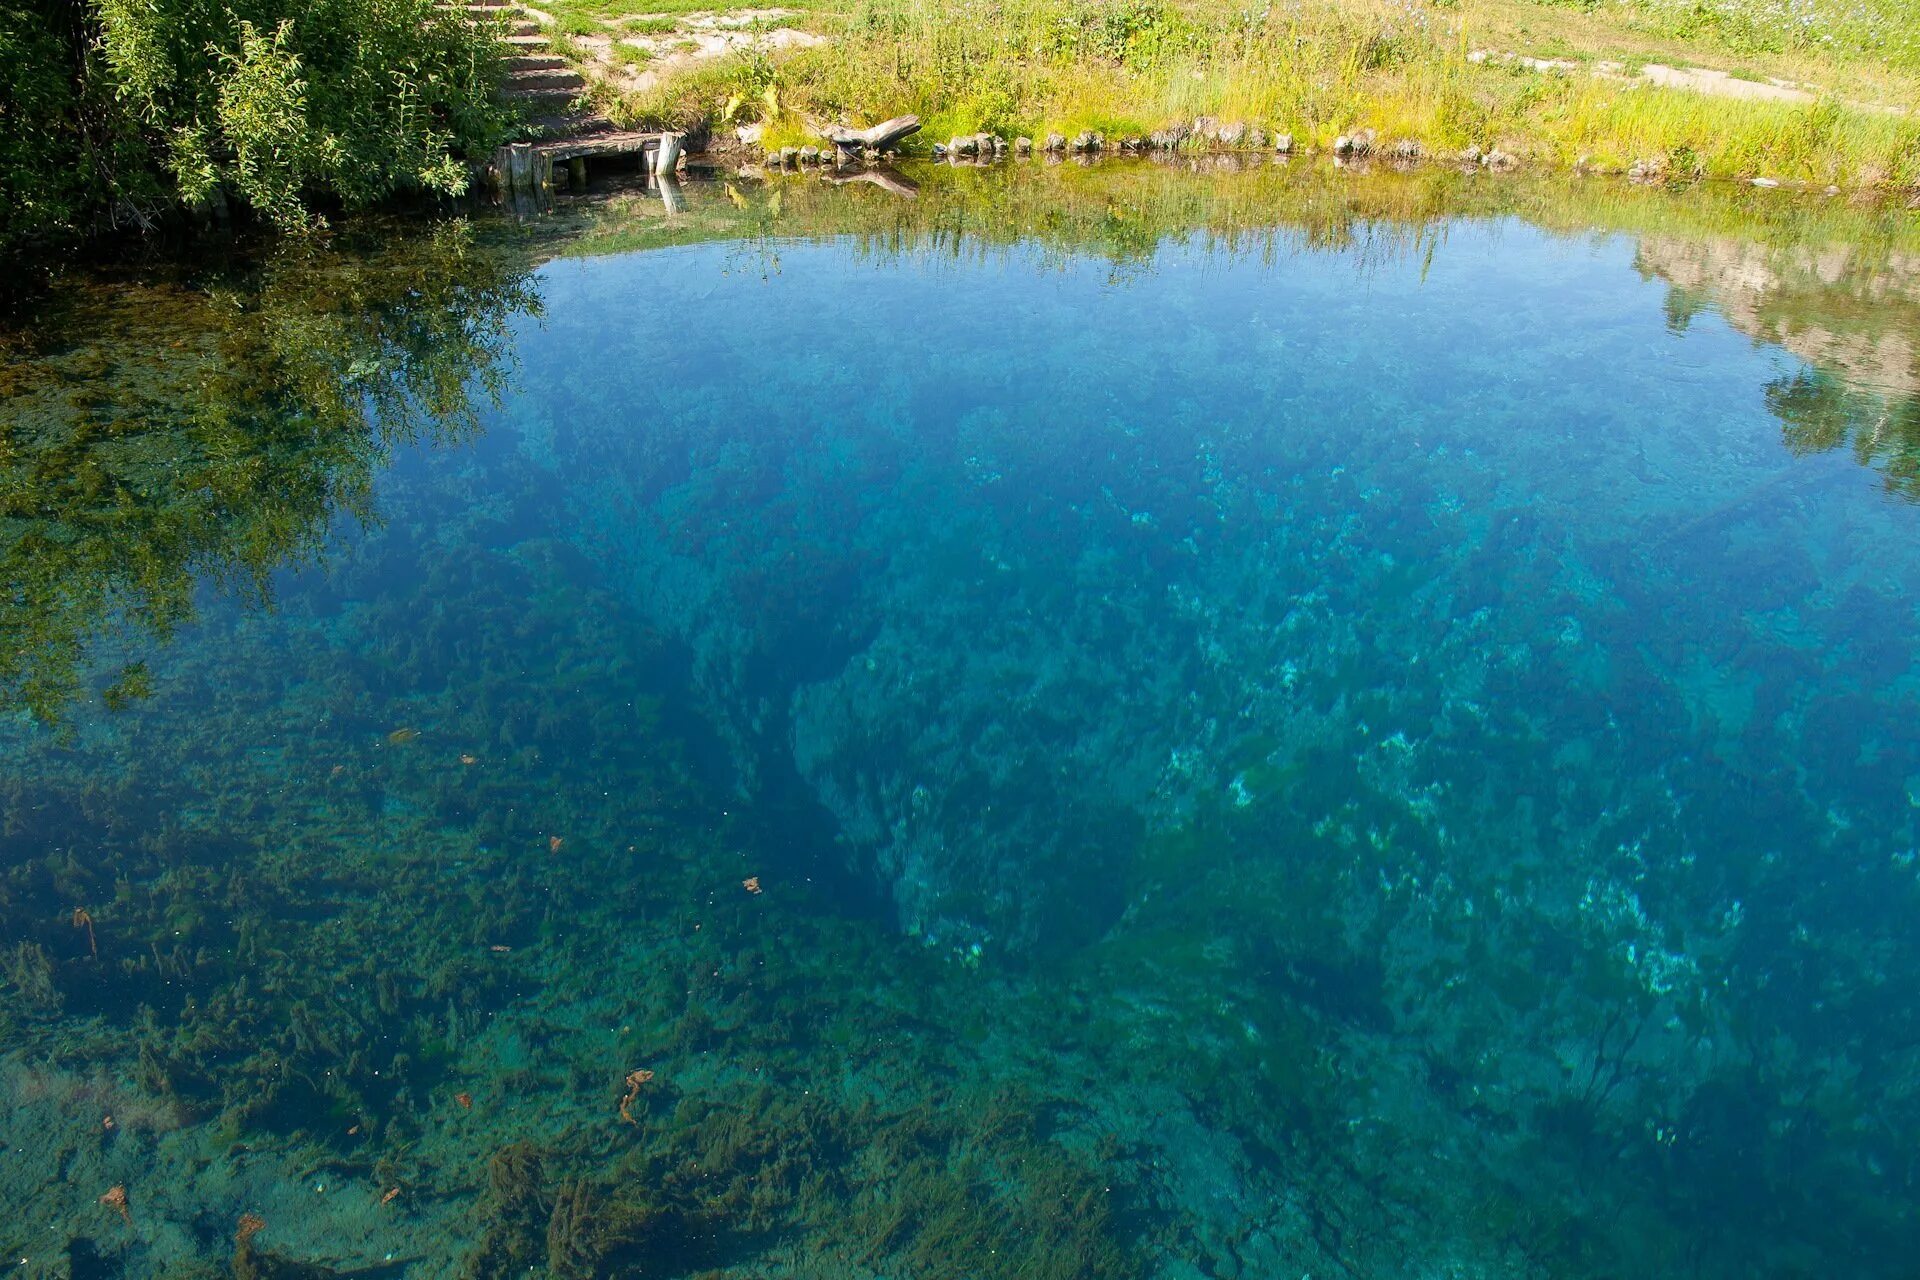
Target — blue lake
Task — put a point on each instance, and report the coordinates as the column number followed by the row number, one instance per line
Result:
column 1086, row 722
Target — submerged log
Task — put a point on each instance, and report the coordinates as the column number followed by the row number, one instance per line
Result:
column 881, row 137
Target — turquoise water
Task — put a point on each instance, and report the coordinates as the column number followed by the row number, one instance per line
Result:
column 1228, row 727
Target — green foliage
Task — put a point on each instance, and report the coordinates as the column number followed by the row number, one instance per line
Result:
column 122, row 107
column 36, row 95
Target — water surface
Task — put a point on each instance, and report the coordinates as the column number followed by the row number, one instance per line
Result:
column 1091, row 722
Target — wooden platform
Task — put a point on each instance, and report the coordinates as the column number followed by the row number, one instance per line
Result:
column 588, row 145
column 533, row 167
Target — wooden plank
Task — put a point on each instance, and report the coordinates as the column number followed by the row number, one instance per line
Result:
column 598, row 144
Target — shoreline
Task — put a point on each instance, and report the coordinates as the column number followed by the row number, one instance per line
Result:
column 1357, row 157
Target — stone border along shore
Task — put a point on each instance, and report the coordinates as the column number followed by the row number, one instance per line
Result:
column 1208, row 135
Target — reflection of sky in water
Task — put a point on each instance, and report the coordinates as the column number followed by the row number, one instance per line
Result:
column 1418, row 699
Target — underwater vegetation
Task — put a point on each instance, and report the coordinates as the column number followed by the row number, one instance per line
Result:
column 1280, row 726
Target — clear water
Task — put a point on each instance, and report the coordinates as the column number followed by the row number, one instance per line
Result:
column 1100, row 722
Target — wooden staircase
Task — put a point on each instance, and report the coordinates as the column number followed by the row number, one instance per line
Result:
column 541, row 83
column 549, row 94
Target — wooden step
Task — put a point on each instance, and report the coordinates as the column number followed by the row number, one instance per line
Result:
column 550, row 99
column 555, row 81
column 571, row 125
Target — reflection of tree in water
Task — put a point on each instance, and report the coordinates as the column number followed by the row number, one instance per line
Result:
column 1849, row 310
column 158, row 434
column 1820, row 410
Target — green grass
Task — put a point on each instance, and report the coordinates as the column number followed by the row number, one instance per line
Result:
column 1320, row 68
column 1128, row 67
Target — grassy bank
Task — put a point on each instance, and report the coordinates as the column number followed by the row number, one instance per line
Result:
column 1446, row 74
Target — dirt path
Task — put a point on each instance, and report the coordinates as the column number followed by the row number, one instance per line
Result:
column 1716, row 84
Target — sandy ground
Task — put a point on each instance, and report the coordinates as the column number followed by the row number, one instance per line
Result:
column 696, row 38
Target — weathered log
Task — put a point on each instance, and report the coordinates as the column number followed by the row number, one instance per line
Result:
column 880, row 137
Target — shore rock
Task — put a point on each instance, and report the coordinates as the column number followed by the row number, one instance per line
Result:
column 1231, row 135
column 1056, row 142
column 1023, row 146
column 1284, row 144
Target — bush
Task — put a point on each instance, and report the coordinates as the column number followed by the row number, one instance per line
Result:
column 118, row 108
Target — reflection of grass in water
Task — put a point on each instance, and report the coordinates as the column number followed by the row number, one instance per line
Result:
column 1125, row 209
column 1832, row 281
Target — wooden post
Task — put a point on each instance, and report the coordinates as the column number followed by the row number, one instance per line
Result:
column 667, row 158
column 520, row 166
column 577, row 173
column 542, row 172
